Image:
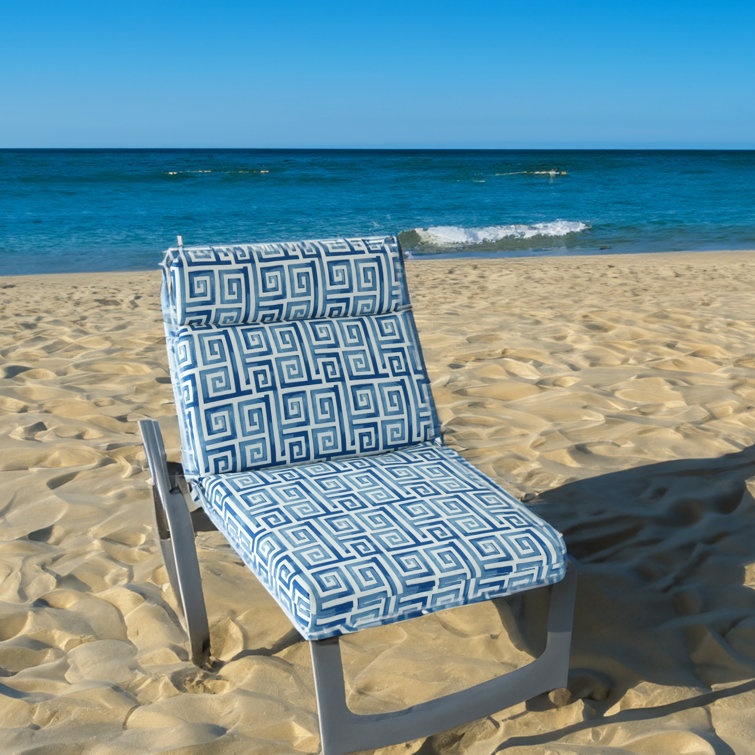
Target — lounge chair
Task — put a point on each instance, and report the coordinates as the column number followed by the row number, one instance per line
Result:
column 310, row 439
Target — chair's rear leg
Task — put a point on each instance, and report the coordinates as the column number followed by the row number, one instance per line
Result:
column 166, row 544
column 176, row 536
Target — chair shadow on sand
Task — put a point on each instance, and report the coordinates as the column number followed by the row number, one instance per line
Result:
column 666, row 553
column 666, row 557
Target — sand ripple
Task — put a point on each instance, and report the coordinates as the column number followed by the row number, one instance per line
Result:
column 616, row 394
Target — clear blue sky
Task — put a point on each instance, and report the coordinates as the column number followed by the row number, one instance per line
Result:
column 377, row 73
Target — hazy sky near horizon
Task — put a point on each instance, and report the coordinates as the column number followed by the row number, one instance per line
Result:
column 377, row 73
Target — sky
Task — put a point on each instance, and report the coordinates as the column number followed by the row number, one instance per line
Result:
column 377, row 73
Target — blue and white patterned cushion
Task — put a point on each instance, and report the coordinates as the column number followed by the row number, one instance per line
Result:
column 311, row 439
column 229, row 285
column 254, row 389
column 353, row 543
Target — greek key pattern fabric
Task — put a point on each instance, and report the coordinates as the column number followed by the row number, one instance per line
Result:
column 284, row 393
column 353, row 543
column 249, row 283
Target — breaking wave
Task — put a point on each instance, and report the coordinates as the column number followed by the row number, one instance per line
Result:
column 449, row 238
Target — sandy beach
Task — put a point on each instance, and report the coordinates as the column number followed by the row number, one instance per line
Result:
column 614, row 394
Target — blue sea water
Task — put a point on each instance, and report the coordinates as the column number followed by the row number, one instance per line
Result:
column 89, row 210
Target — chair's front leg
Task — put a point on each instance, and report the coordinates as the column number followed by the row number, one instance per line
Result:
column 176, row 536
column 342, row 731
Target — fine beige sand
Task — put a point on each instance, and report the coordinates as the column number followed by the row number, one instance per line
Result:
column 616, row 395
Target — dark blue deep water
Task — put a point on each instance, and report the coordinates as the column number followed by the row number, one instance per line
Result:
column 87, row 210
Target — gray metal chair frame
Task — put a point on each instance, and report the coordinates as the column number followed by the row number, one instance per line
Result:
column 341, row 730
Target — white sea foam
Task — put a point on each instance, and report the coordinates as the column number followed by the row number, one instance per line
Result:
column 453, row 235
column 552, row 173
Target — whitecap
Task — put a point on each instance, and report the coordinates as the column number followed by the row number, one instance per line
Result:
column 443, row 236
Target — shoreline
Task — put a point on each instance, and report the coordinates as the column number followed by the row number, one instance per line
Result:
column 614, row 393
column 472, row 257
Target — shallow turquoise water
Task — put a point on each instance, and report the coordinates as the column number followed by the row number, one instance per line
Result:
column 74, row 210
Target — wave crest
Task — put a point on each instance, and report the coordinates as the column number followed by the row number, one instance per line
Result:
column 440, row 238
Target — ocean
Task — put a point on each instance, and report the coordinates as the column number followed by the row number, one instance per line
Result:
column 92, row 210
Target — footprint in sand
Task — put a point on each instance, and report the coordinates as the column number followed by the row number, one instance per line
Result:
column 11, row 371
column 13, row 405
column 28, row 432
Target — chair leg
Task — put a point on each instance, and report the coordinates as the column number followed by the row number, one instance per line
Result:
column 176, row 536
column 342, row 731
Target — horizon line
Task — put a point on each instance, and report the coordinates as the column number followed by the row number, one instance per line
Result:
column 625, row 148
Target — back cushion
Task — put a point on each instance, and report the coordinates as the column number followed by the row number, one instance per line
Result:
column 277, row 387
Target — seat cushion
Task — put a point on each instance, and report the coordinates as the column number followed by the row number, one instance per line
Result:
column 353, row 543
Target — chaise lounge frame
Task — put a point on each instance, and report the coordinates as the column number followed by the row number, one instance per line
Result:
column 341, row 730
